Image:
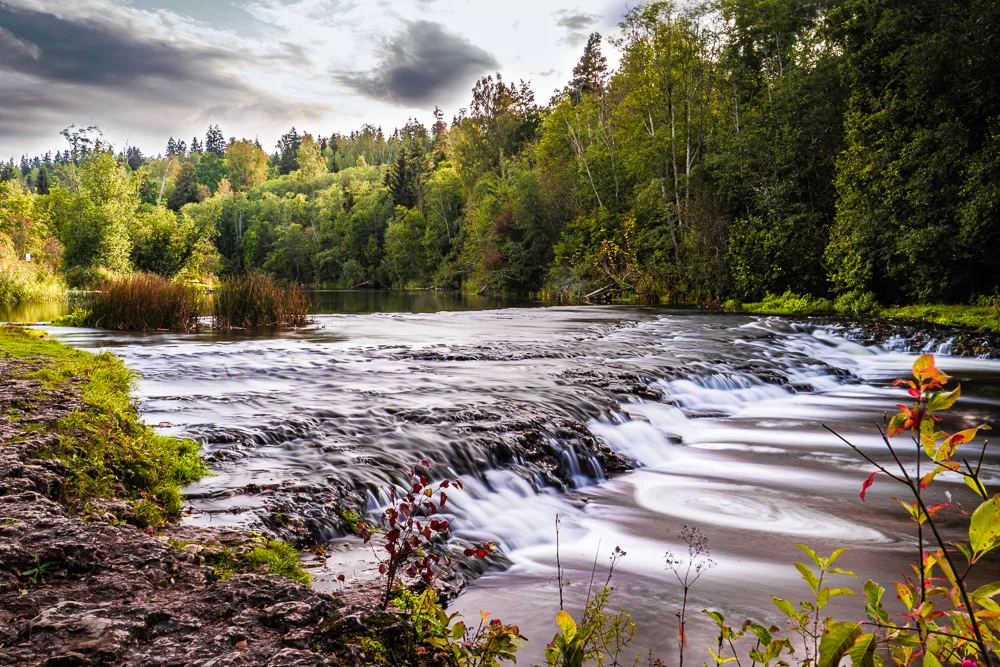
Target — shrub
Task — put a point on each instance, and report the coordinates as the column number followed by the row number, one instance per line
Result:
column 791, row 303
column 89, row 277
column 142, row 302
column 857, row 303
column 255, row 300
column 26, row 282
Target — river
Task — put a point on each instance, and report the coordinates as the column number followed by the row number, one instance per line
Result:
column 722, row 414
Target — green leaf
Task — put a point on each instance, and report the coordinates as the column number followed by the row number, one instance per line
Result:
column 984, row 528
column 807, row 574
column 567, row 625
column 837, row 640
column 719, row 619
column 823, row 598
column 834, row 592
column 905, row 595
column 784, row 606
column 964, row 548
column 942, row 400
column 863, row 652
column 837, row 553
column 976, row 486
column 873, row 602
column 761, row 633
column 812, row 555
column 986, row 592
column 930, row 660
column 846, row 573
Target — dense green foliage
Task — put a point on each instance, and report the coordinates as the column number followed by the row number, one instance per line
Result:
column 109, row 452
column 741, row 148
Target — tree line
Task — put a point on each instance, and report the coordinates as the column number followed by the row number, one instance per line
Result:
column 741, row 148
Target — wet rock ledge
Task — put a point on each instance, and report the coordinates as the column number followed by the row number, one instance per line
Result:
column 96, row 584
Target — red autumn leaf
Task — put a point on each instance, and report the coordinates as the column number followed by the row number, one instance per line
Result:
column 481, row 553
column 867, row 483
column 381, row 568
column 445, row 484
column 469, row 552
column 444, row 498
column 932, row 509
column 914, row 392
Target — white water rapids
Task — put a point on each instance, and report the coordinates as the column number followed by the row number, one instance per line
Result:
column 735, row 446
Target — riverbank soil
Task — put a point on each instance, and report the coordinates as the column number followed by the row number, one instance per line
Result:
column 93, row 583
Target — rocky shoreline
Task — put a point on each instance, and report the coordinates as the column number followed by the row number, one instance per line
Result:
column 93, row 587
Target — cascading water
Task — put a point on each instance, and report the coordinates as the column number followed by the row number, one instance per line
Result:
column 722, row 417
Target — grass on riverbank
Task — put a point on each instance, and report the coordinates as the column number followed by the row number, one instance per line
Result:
column 109, row 452
column 985, row 317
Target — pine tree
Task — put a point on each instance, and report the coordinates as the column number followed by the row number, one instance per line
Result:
column 8, row 171
column 25, row 166
column 185, row 188
column 134, row 157
column 215, row 142
column 405, row 178
column 288, row 149
column 42, row 183
column 590, row 74
column 196, row 146
column 171, row 148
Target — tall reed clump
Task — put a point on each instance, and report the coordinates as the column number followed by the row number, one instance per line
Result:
column 255, row 300
column 143, row 302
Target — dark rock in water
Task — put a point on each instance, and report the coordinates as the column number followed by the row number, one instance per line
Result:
column 918, row 337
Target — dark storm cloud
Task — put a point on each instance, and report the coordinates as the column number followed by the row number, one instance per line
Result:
column 420, row 65
column 90, row 51
column 58, row 67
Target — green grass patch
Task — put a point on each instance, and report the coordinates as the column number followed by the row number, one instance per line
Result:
column 110, row 452
column 272, row 557
column 986, row 318
column 788, row 303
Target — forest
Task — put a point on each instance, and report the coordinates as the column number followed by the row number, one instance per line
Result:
column 844, row 149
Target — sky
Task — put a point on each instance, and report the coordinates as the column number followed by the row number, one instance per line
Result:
column 146, row 70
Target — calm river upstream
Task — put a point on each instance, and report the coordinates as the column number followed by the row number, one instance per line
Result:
column 722, row 414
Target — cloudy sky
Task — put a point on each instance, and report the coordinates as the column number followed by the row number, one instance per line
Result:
column 144, row 70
